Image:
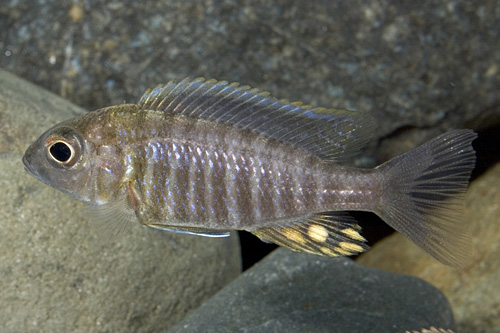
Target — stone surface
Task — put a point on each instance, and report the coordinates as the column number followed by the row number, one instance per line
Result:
column 57, row 274
column 473, row 291
column 419, row 67
column 292, row 292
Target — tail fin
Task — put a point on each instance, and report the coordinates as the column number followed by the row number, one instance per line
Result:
column 424, row 195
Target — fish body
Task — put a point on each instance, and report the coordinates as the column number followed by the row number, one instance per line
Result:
column 205, row 157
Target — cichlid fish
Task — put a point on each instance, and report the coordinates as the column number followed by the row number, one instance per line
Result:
column 204, row 157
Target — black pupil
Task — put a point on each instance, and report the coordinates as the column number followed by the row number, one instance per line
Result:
column 60, row 151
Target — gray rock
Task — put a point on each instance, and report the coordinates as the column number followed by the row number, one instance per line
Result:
column 57, row 274
column 419, row 67
column 292, row 292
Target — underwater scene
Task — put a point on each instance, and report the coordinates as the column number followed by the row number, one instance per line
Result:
column 250, row 166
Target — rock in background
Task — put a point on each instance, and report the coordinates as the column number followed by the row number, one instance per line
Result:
column 58, row 274
column 474, row 290
column 419, row 67
column 292, row 292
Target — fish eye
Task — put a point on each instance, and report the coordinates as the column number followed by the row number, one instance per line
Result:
column 64, row 148
column 61, row 152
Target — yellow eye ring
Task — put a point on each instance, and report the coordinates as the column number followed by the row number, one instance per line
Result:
column 61, row 152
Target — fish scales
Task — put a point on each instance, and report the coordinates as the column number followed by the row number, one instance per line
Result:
column 226, row 178
column 204, row 157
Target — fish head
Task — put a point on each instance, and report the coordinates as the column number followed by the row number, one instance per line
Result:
column 60, row 158
column 82, row 157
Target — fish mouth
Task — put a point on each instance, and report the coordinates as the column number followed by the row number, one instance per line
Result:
column 29, row 169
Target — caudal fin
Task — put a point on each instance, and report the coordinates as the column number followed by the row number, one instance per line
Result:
column 424, row 193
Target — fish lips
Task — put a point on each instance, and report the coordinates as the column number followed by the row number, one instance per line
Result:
column 29, row 169
column 33, row 171
column 31, row 156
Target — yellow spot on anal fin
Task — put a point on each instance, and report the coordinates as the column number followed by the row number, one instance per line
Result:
column 329, row 252
column 354, row 248
column 295, row 236
column 351, row 233
column 342, row 251
column 317, row 233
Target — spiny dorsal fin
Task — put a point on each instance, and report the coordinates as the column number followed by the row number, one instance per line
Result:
column 330, row 134
column 327, row 234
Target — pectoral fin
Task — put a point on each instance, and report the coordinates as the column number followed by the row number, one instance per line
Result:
column 113, row 218
column 116, row 217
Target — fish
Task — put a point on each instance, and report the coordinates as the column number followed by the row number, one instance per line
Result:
column 206, row 157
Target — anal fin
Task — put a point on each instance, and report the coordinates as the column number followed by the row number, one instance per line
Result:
column 327, row 234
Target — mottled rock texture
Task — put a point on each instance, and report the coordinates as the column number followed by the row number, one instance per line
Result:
column 420, row 67
column 58, row 274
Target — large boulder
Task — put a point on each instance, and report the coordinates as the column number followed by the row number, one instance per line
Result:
column 296, row 292
column 58, row 274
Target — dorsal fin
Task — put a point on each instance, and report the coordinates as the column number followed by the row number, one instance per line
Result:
column 330, row 134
